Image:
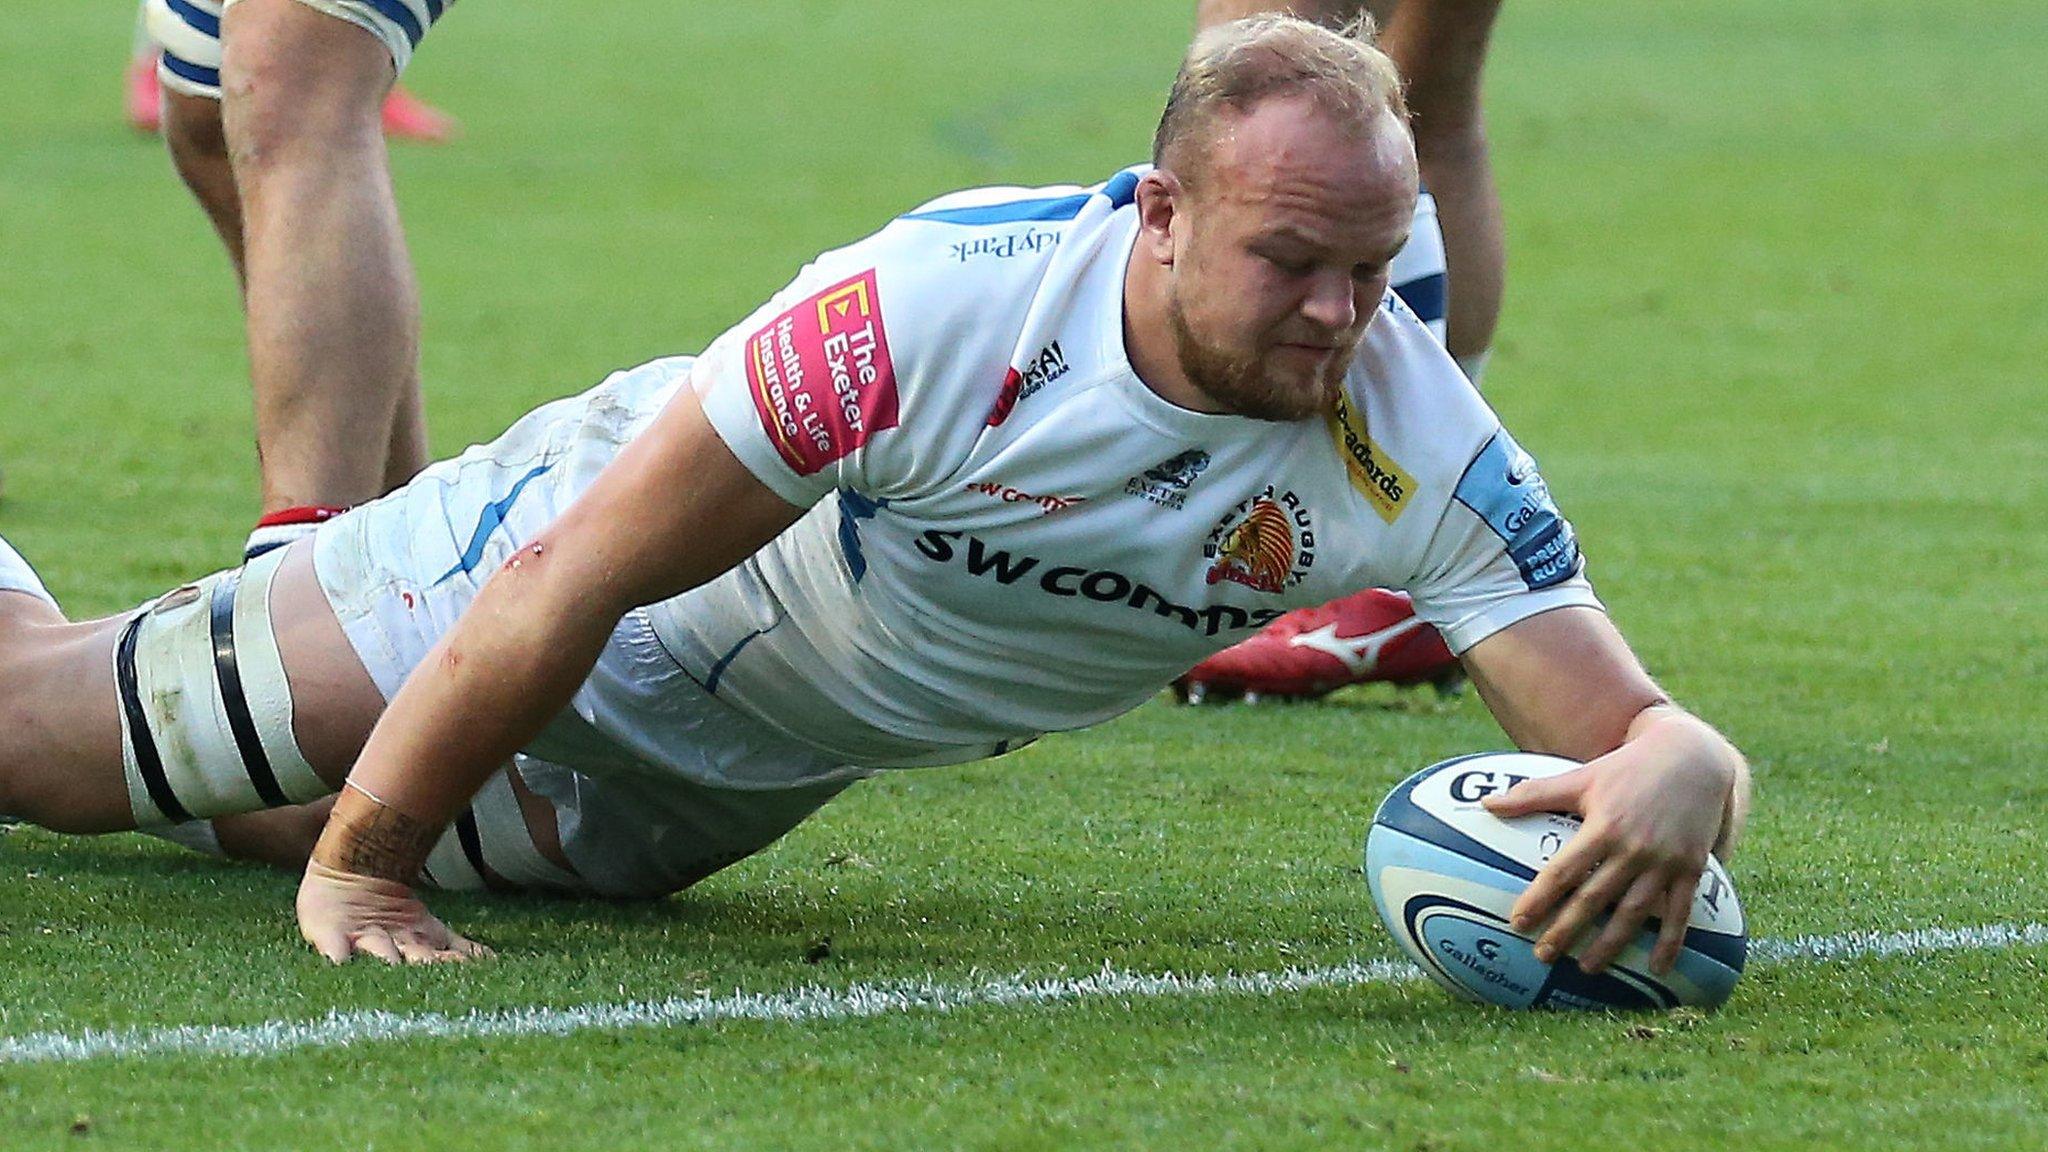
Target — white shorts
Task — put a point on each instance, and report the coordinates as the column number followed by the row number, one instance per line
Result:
column 626, row 838
column 656, row 782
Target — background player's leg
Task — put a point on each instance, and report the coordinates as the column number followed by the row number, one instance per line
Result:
column 61, row 755
column 407, row 452
column 1440, row 46
column 199, row 149
column 406, row 116
column 332, row 307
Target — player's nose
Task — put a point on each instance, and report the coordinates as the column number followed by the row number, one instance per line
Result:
column 1332, row 302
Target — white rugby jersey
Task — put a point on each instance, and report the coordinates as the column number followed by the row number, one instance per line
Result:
column 1011, row 534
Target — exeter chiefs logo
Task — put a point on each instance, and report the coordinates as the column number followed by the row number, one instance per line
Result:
column 1255, row 551
column 1267, row 543
column 1167, row 482
column 1180, row 471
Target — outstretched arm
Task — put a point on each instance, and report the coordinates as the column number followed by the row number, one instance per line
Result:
column 1660, row 787
column 674, row 510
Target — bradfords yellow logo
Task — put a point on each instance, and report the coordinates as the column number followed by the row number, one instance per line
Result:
column 1382, row 482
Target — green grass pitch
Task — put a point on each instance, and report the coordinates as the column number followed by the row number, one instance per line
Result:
column 1775, row 329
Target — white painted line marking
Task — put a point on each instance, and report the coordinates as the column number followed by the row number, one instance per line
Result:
column 340, row 1029
column 1877, row 945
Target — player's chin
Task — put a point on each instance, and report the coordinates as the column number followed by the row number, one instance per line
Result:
column 1300, row 391
column 1287, row 405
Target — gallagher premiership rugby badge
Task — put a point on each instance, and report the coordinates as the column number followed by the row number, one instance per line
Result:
column 1502, row 487
column 821, row 377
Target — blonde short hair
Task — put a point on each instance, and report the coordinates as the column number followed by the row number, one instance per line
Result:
column 1233, row 67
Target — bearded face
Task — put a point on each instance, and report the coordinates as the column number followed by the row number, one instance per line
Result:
column 1260, row 375
column 1281, row 249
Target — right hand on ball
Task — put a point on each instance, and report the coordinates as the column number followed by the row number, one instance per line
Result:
column 1653, row 810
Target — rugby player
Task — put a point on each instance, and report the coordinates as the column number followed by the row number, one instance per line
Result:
column 273, row 111
column 1451, row 274
column 1004, row 468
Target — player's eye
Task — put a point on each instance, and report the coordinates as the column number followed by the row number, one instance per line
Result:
column 1363, row 273
column 1289, row 265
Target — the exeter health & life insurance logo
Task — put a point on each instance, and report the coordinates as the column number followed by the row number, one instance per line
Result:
column 821, row 377
column 1267, row 542
column 1167, row 482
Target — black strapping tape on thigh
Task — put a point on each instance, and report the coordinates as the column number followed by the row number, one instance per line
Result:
column 147, row 759
column 473, row 848
column 234, row 701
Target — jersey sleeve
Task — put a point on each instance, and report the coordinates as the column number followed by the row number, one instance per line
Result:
column 1502, row 552
column 861, row 374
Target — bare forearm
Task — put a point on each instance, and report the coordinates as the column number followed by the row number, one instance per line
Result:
column 510, row 664
column 364, row 836
column 1565, row 682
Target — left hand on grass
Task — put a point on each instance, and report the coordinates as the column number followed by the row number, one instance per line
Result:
column 342, row 915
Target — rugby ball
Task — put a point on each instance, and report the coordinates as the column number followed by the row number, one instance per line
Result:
column 1444, row 872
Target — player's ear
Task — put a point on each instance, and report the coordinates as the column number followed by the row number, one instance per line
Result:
column 1160, row 196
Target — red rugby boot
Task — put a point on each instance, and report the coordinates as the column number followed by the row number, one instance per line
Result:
column 141, row 96
column 407, row 117
column 1368, row 636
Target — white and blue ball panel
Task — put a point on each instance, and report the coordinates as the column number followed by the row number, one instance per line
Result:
column 1446, row 896
column 188, row 31
column 1444, row 804
column 1450, row 915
